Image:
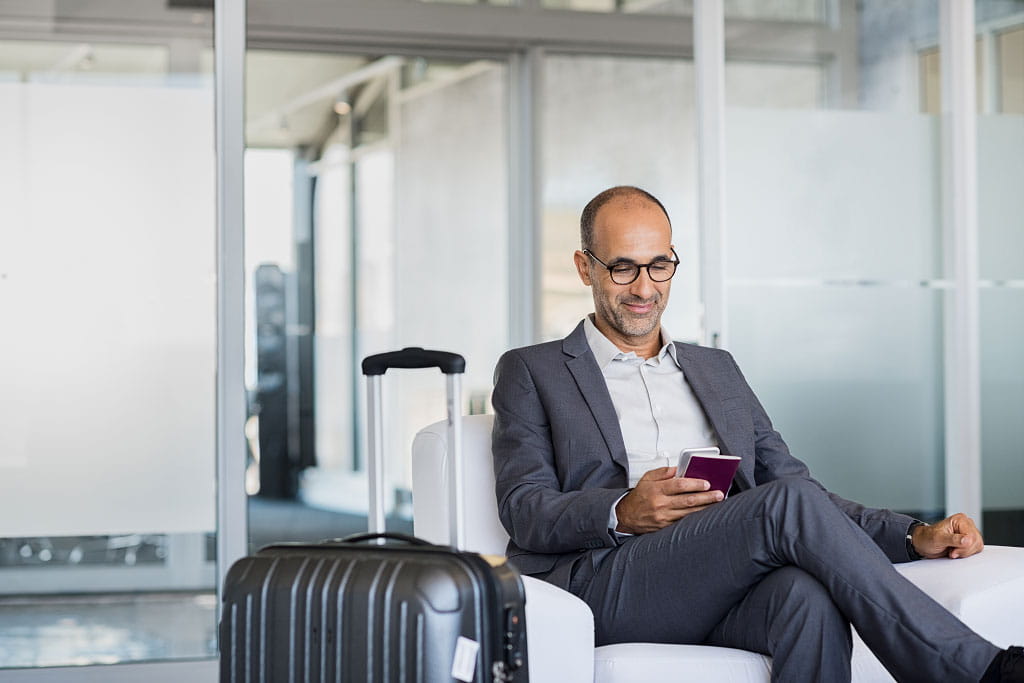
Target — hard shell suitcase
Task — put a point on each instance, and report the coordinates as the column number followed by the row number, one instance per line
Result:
column 376, row 607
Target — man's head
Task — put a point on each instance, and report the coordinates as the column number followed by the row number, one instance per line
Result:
column 625, row 226
column 621, row 192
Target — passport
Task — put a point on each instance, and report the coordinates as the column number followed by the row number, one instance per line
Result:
column 717, row 469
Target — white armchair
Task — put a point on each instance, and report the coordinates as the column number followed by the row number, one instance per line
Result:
column 986, row 591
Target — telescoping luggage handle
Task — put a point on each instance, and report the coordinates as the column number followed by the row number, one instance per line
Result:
column 452, row 365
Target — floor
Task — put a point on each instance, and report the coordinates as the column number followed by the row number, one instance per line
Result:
column 68, row 630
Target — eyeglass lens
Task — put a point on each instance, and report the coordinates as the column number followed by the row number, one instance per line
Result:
column 658, row 271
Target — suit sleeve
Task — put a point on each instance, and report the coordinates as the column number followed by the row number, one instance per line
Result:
column 774, row 461
column 537, row 513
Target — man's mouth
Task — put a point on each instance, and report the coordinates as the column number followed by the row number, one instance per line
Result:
column 639, row 308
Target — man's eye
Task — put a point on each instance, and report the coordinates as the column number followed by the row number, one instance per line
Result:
column 623, row 269
column 661, row 266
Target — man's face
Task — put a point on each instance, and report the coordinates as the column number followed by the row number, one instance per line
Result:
column 628, row 231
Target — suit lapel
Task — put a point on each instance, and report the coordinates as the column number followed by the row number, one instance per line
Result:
column 707, row 394
column 595, row 392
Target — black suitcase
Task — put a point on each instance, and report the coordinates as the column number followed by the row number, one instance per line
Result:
column 377, row 607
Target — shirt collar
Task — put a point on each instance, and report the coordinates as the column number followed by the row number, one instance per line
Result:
column 605, row 351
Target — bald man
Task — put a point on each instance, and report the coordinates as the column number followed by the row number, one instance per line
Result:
column 587, row 431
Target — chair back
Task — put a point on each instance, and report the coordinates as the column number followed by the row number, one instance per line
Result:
column 430, row 462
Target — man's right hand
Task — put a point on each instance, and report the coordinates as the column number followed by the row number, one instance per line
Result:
column 661, row 498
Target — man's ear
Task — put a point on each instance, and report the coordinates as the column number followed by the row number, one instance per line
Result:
column 582, row 266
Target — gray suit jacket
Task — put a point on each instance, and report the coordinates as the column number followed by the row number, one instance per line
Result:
column 560, row 461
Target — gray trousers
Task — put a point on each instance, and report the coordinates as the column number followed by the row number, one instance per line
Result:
column 780, row 570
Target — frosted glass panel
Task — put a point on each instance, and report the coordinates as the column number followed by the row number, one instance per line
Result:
column 851, row 378
column 107, row 283
column 1002, row 398
column 1000, row 199
column 1001, row 251
column 832, row 194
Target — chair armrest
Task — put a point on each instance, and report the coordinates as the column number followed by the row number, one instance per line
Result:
column 560, row 635
column 986, row 590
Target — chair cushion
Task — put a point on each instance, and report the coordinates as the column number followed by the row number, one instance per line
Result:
column 484, row 533
column 647, row 662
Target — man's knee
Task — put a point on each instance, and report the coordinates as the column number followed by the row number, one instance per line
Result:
column 792, row 582
column 798, row 599
column 793, row 493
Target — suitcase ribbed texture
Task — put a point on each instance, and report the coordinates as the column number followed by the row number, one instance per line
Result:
column 356, row 613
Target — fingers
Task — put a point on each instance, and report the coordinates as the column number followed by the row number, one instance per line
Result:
column 963, row 537
column 684, row 485
column 659, row 474
column 955, row 537
column 668, row 484
column 660, row 498
column 687, row 493
column 677, row 507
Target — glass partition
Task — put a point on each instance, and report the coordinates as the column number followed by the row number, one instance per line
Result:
column 1001, row 264
column 834, row 277
column 108, row 290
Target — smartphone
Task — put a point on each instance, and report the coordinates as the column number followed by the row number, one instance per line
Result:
column 710, row 465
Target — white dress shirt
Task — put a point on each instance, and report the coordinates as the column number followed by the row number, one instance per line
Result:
column 659, row 415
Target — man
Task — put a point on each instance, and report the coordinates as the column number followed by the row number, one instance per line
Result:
column 780, row 566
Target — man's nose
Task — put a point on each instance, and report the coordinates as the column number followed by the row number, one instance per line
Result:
column 643, row 285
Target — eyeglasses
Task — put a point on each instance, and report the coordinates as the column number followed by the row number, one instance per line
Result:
column 625, row 273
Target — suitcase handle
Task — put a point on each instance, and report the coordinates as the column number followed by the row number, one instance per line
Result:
column 414, row 357
column 387, row 535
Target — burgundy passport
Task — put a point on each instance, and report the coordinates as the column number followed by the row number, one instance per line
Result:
column 716, row 469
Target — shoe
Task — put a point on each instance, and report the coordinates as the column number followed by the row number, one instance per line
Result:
column 1012, row 668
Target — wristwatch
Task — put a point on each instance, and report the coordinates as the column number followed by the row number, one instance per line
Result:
column 911, row 551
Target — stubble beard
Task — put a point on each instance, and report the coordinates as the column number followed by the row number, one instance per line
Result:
column 629, row 325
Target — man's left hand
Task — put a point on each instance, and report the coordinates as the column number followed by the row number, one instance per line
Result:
column 954, row 537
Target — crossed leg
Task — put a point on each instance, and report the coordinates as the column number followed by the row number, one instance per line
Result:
column 791, row 617
column 700, row 580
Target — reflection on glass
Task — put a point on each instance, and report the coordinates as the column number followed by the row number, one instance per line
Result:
column 397, row 171
column 1011, row 76
column 107, row 272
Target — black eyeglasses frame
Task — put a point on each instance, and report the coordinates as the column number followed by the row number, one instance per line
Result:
column 637, row 267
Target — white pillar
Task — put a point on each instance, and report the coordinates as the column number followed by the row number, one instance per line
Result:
column 709, row 64
column 960, row 221
column 229, row 56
